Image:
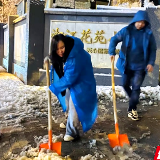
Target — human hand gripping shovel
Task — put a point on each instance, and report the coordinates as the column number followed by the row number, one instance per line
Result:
column 52, row 146
column 116, row 139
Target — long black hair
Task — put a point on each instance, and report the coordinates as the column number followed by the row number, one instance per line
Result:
column 57, row 61
column 68, row 42
column 54, row 42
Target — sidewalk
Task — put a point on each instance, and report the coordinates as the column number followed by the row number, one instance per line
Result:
column 9, row 76
column 2, row 69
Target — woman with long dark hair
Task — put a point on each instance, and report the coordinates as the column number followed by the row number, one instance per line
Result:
column 74, row 79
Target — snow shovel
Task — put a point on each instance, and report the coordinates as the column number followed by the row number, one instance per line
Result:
column 52, row 146
column 116, row 139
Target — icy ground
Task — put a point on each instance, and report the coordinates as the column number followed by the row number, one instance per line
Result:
column 19, row 102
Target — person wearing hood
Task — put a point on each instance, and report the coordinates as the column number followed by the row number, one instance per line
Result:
column 73, row 83
column 136, row 58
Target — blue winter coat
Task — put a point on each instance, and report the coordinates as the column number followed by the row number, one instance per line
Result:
column 79, row 78
column 149, row 44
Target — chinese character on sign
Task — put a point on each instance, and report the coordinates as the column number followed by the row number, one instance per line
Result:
column 115, row 32
column 100, row 38
column 55, row 32
column 157, row 154
column 95, row 50
column 71, row 33
column 86, row 36
column 100, row 50
column 89, row 50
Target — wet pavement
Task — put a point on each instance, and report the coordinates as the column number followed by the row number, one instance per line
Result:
column 144, row 135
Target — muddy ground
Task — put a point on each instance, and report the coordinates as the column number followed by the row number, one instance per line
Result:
column 144, row 135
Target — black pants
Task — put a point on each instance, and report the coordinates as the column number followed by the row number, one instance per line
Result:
column 134, row 79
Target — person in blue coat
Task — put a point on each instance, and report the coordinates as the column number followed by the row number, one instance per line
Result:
column 74, row 83
column 137, row 56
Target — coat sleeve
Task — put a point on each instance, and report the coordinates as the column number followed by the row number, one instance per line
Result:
column 71, row 74
column 115, row 40
column 152, row 50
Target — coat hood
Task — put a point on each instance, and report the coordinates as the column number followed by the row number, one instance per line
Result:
column 78, row 45
column 141, row 16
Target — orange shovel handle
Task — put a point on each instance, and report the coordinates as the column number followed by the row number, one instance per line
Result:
column 50, row 139
column 117, row 129
column 114, row 101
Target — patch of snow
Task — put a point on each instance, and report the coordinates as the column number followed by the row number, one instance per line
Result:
column 148, row 93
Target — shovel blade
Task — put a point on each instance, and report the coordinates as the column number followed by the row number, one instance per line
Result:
column 118, row 140
column 55, row 147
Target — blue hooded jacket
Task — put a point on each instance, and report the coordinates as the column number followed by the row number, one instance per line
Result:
column 149, row 44
column 79, row 78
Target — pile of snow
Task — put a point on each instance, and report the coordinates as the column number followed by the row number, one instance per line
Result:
column 148, row 94
column 34, row 154
column 18, row 101
column 29, row 153
column 44, row 139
